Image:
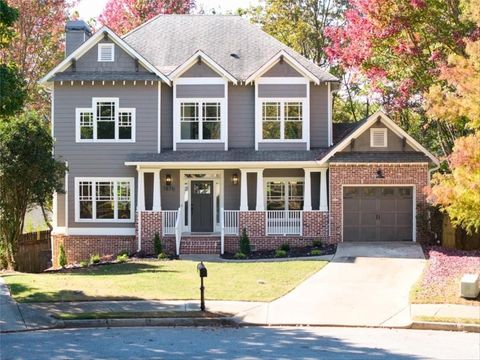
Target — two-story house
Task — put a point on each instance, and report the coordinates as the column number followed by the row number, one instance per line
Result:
column 197, row 127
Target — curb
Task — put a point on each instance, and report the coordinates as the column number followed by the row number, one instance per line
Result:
column 429, row 325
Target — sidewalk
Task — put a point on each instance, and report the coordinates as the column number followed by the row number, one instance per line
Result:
column 446, row 311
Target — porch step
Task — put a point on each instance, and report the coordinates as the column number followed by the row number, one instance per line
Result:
column 200, row 245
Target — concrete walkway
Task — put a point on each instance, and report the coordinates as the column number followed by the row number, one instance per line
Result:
column 446, row 311
column 366, row 284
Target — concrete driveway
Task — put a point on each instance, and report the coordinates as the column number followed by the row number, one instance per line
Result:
column 366, row 284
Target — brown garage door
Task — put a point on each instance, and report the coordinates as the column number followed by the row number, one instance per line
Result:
column 377, row 213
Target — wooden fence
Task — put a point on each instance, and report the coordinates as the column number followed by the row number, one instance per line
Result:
column 457, row 238
column 34, row 252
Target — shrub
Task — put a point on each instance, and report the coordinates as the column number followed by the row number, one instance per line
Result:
column 162, row 256
column 240, row 255
column 62, row 258
column 279, row 253
column 84, row 263
column 123, row 253
column 95, row 259
column 285, row 247
column 157, row 244
column 316, row 252
column 245, row 247
column 317, row 243
column 122, row 258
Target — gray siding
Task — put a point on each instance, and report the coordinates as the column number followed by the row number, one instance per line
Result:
column 102, row 159
column 315, row 190
column 282, row 70
column 167, row 117
column 282, row 90
column 89, row 61
column 282, row 146
column 252, row 190
column 231, row 192
column 241, row 116
column 318, row 116
column 200, row 91
column 201, row 146
column 200, row 70
column 283, row 173
column 148, row 187
column 394, row 142
column 170, row 195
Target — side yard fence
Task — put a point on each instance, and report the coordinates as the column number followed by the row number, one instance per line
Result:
column 34, row 252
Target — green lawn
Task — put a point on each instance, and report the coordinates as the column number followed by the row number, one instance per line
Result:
column 253, row 281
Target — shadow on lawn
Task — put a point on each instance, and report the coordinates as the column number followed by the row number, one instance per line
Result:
column 117, row 269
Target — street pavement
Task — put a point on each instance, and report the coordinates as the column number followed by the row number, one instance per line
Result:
column 242, row 343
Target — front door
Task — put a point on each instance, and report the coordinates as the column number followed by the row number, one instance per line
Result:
column 202, row 206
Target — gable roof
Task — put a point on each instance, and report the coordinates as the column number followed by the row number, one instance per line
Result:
column 365, row 124
column 238, row 46
column 92, row 41
column 205, row 58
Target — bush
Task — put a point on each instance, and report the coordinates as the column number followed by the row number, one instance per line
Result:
column 245, row 247
column 122, row 258
column 279, row 253
column 124, row 253
column 157, row 244
column 285, row 247
column 62, row 258
column 95, row 259
column 317, row 243
column 162, row 256
column 84, row 263
column 239, row 255
column 316, row 252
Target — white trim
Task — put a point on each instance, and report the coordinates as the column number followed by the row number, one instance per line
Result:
column 414, row 203
column 323, row 203
column 387, row 122
column 282, row 81
column 87, row 45
column 383, row 132
column 243, row 190
column 200, row 81
column 330, row 114
column 260, row 202
column 306, row 118
column 66, row 198
column 224, row 132
column 102, row 46
column 187, row 64
column 378, row 163
column 176, row 118
column 258, row 117
column 250, row 165
column 101, row 231
column 52, row 117
column 290, row 60
column 115, row 180
column 159, row 122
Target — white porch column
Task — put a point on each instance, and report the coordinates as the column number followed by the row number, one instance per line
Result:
column 141, row 190
column 243, row 190
column 307, row 190
column 260, row 201
column 323, row 190
column 157, row 204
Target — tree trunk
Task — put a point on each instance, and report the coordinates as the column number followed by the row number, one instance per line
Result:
column 45, row 217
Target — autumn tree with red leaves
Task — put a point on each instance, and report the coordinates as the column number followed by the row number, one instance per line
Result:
column 125, row 15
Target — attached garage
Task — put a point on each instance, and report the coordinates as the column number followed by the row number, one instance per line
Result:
column 372, row 213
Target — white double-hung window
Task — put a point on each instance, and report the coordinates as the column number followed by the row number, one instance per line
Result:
column 284, row 194
column 105, row 121
column 104, row 199
column 282, row 119
column 200, row 120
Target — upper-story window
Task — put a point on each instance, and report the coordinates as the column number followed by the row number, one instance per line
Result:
column 105, row 122
column 282, row 120
column 106, row 52
column 200, row 120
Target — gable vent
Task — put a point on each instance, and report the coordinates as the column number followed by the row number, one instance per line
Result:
column 378, row 137
column 106, row 52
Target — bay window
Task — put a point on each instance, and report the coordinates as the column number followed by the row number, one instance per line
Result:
column 200, row 120
column 105, row 122
column 104, row 199
column 282, row 120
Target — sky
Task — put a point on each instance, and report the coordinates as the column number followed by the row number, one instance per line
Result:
column 93, row 8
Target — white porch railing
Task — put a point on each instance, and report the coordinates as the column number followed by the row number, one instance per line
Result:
column 178, row 230
column 169, row 219
column 231, row 221
column 283, row 222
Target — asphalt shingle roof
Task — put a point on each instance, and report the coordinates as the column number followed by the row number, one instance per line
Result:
column 169, row 40
column 380, row 157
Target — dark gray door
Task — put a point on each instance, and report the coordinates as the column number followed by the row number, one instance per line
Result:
column 202, row 206
column 377, row 213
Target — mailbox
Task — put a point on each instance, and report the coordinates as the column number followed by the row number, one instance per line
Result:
column 202, row 270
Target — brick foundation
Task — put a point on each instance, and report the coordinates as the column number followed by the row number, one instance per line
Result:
column 151, row 223
column 364, row 174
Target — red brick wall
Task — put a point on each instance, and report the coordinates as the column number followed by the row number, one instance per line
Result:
column 395, row 174
column 254, row 222
column 315, row 224
column 81, row 247
column 151, row 224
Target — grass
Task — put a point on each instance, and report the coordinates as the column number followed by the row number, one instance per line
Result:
column 162, row 280
column 137, row 315
column 448, row 319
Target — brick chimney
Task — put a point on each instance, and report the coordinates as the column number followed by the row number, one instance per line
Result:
column 76, row 33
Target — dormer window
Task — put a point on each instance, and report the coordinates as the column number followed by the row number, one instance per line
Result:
column 378, row 137
column 106, row 52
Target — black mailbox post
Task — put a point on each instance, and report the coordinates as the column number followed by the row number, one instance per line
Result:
column 202, row 270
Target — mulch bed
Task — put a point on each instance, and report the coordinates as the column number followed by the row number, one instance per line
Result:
column 293, row 253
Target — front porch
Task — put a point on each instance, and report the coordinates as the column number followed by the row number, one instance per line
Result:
column 204, row 211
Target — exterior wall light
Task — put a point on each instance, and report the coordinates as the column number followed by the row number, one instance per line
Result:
column 235, row 179
column 380, row 174
column 168, row 180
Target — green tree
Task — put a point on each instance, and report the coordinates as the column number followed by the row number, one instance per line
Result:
column 12, row 85
column 29, row 175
